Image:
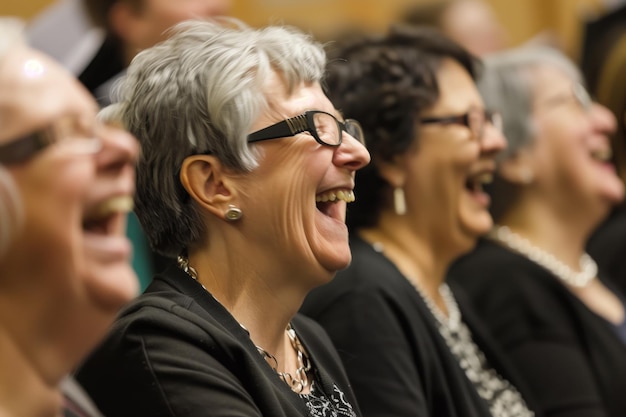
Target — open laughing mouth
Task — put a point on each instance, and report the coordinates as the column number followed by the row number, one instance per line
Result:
column 602, row 155
column 475, row 182
column 107, row 218
column 326, row 201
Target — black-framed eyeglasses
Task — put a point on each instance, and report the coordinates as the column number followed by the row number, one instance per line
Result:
column 21, row 149
column 475, row 120
column 324, row 127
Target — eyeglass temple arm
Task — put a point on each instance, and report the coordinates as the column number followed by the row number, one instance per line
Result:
column 283, row 129
column 19, row 150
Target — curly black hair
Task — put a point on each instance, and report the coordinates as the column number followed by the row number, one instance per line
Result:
column 386, row 82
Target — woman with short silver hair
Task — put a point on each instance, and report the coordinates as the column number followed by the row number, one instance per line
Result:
column 245, row 175
column 561, row 321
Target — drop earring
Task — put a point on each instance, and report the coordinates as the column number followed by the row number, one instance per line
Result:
column 399, row 202
column 233, row 213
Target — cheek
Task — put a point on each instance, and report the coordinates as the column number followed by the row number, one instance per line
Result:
column 54, row 200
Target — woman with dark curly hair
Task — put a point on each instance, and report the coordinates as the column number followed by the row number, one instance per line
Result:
column 410, row 346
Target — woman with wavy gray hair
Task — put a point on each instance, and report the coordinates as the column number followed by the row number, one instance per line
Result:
column 245, row 175
column 559, row 319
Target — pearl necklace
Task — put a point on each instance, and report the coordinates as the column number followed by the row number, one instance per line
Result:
column 588, row 267
column 298, row 382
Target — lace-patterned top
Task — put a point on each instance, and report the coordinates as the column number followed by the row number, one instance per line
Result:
column 503, row 399
column 322, row 405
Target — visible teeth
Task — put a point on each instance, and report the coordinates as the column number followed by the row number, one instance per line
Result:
column 603, row 155
column 121, row 204
column 485, row 178
column 341, row 195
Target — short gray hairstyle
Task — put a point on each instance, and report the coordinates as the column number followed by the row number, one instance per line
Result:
column 199, row 92
column 506, row 85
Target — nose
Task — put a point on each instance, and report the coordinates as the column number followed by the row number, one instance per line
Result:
column 351, row 154
column 119, row 153
column 602, row 119
column 493, row 140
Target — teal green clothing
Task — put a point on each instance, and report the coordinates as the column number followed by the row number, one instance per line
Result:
column 142, row 257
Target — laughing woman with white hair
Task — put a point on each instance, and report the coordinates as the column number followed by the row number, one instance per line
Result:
column 245, row 174
column 66, row 185
column 559, row 319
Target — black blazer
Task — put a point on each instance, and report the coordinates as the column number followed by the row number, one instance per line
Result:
column 397, row 361
column 176, row 351
column 571, row 358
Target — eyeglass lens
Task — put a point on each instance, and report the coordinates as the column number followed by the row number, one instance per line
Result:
column 329, row 130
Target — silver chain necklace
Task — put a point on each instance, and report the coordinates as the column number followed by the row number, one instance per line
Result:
column 298, row 382
column 515, row 242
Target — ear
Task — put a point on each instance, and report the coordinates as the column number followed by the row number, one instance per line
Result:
column 393, row 171
column 519, row 168
column 208, row 183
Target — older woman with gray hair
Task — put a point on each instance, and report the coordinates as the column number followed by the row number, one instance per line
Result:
column 66, row 185
column 560, row 319
column 245, row 175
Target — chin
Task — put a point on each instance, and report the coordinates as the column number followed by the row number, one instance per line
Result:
column 614, row 195
column 110, row 288
column 479, row 225
column 335, row 260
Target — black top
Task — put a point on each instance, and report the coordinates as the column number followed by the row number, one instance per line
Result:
column 608, row 247
column 396, row 359
column 571, row 358
column 76, row 403
column 176, row 351
column 105, row 65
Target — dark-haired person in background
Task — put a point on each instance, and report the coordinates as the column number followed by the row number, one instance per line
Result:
column 409, row 343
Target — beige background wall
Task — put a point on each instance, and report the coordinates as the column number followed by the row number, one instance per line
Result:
column 522, row 18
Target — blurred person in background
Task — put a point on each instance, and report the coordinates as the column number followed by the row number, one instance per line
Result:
column 471, row 23
column 560, row 320
column 410, row 344
column 245, row 175
column 66, row 186
column 131, row 26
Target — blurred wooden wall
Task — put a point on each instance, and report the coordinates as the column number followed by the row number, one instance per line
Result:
column 523, row 19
